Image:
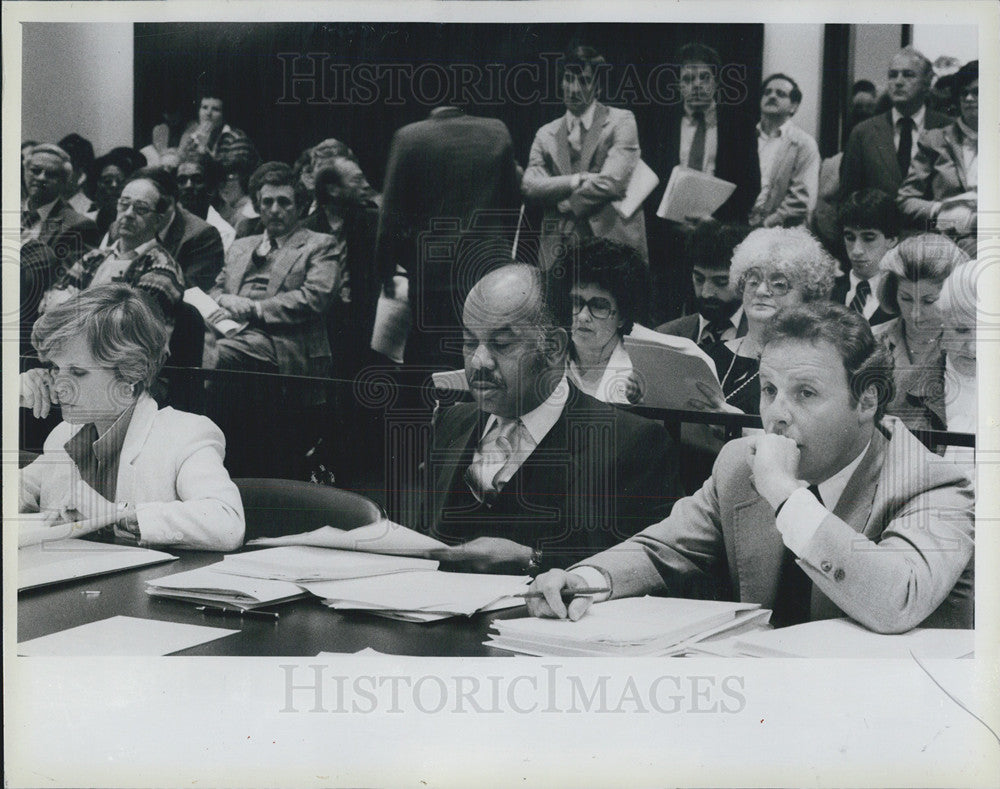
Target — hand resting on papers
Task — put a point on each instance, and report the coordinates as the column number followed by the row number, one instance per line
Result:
column 551, row 584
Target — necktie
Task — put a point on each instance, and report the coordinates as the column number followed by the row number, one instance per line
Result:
column 792, row 602
column 711, row 335
column 696, row 158
column 860, row 297
column 905, row 144
column 575, row 134
column 494, row 453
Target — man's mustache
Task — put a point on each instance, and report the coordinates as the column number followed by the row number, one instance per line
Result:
column 483, row 377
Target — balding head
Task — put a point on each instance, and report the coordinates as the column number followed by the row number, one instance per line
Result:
column 515, row 353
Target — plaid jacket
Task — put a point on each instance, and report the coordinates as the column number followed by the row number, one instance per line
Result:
column 154, row 271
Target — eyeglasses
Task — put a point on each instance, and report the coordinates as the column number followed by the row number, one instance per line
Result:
column 776, row 284
column 139, row 209
column 598, row 306
column 194, row 179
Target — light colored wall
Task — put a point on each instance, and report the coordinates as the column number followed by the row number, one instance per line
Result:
column 797, row 50
column 960, row 41
column 872, row 48
column 77, row 78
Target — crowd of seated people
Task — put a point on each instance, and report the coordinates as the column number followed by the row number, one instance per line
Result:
column 810, row 275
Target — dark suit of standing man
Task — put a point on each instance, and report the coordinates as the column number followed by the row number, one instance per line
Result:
column 727, row 149
column 874, row 157
column 534, row 473
column 581, row 163
column 446, row 180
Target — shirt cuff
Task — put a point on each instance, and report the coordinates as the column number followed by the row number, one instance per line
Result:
column 594, row 579
column 799, row 518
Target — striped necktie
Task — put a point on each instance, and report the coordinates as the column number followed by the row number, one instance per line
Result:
column 861, row 294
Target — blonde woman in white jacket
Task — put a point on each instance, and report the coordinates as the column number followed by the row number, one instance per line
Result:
column 118, row 464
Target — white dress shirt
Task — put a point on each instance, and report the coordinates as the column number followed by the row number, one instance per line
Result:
column 612, row 386
column 768, row 146
column 731, row 330
column 688, row 126
column 585, row 119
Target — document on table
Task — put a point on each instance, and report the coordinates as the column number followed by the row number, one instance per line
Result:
column 844, row 638
column 122, row 636
column 692, row 193
column 305, row 563
column 668, row 369
column 630, row 626
column 66, row 560
column 208, row 585
column 640, row 186
column 382, row 537
column 419, row 595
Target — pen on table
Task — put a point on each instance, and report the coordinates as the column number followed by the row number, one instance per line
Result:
column 569, row 594
column 215, row 609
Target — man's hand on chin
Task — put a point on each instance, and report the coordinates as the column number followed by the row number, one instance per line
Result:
column 484, row 555
column 774, row 463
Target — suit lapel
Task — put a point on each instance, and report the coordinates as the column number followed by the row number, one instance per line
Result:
column 453, row 450
column 561, row 141
column 759, row 549
column 53, row 223
column 855, row 504
column 593, row 136
column 135, row 440
column 884, row 145
column 957, row 156
column 284, row 258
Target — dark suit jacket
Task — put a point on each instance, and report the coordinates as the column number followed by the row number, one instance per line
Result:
column 303, row 274
column 870, row 156
column 598, row 476
column 895, row 553
column 684, row 326
column 442, row 172
column 736, row 160
column 197, row 248
column 70, row 235
column 839, row 295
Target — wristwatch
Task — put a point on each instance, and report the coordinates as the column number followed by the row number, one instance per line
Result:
column 535, row 562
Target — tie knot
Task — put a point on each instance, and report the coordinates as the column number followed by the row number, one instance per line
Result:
column 698, row 116
column 906, row 122
column 864, row 288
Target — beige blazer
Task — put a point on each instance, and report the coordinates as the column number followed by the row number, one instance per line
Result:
column 897, row 551
column 170, row 468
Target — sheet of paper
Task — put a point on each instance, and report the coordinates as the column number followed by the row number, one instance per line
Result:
column 382, row 537
column 53, row 562
column 669, row 368
column 640, row 186
column 306, row 563
column 844, row 638
column 209, row 585
column 619, row 625
column 451, row 381
column 208, row 306
column 692, row 193
column 430, row 592
column 122, row 636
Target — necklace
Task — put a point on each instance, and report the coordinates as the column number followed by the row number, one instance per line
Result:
column 728, row 371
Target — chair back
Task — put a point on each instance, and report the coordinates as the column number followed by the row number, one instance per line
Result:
column 275, row 507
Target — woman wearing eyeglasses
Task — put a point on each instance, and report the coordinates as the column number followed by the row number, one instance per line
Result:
column 941, row 190
column 773, row 268
column 136, row 257
column 610, row 294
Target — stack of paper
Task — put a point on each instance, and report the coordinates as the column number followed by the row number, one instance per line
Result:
column 381, row 537
column 640, row 186
column 208, row 585
column 669, row 369
column 692, row 193
column 424, row 596
column 66, row 560
column 209, row 309
column 631, row 626
column 305, row 564
column 844, row 638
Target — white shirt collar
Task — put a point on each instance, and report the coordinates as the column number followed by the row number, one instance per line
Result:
column 587, row 118
column 710, row 114
column 116, row 248
column 832, row 489
column 735, row 319
column 781, row 130
column 873, row 280
column 918, row 117
column 540, row 420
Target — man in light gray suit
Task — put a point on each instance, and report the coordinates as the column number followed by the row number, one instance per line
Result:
column 581, row 163
column 789, row 159
column 835, row 511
